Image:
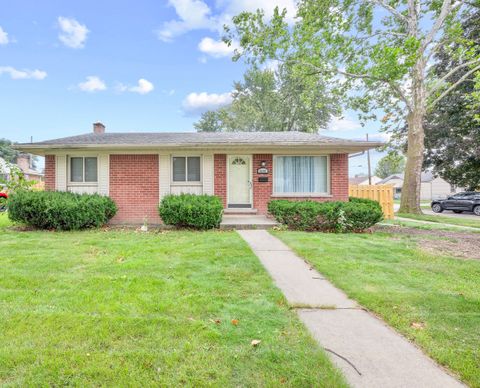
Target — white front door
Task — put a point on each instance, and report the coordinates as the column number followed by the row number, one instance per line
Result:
column 239, row 183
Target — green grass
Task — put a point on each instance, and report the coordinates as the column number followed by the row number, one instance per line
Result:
column 442, row 219
column 389, row 275
column 119, row 308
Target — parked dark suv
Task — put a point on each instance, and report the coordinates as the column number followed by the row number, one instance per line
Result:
column 468, row 201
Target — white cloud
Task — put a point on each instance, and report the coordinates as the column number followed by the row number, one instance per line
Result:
column 73, row 33
column 3, row 37
column 216, row 48
column 23, row 74
column 143, row 87
column 197, row 15
column 92, row 84
column 192, row 15
column 196, row 103
column 343, row 124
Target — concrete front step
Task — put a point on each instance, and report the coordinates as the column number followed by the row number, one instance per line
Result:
column 247, row 221
column 239, row 211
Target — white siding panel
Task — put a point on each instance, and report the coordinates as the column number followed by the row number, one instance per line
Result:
column 426, row 191
column 164, row 175
column 103, row 174
column 187, row 189
column 83, row 189
column 440, row 188
column 208, row 174
column 61, row 173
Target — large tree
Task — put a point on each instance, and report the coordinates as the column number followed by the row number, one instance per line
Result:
column 273, row 100
column 375, row 53
column 7, row 152
column 452, row 128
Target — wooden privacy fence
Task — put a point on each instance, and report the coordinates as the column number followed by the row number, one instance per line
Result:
column 381, row 193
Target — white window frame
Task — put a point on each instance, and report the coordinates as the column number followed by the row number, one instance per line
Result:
column 186, row 182
column 323, row 194
column 83, row 183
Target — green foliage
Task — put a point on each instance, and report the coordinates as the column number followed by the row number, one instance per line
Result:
column 391, row 163
column 354, row 216
column 452, row 131
column 191, row 211
column 14, row 179
column 60, row 210
column 273, row 100
column 7, row 152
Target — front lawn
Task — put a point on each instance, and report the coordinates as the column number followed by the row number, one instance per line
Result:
column 120, row 308
column 432, row 299
column 443, row 219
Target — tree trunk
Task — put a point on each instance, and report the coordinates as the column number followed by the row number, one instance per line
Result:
column 410, row 199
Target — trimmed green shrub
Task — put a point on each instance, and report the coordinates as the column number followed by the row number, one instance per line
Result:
column 60, row 210
column 191, row 211
column 354, row 216
column 366, row 201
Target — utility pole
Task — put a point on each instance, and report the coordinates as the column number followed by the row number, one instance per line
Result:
column 369, row 166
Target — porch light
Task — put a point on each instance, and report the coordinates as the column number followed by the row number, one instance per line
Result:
column 263, row 163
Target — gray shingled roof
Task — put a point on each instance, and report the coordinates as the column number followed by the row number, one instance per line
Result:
column 427, row 176
column 199, row 138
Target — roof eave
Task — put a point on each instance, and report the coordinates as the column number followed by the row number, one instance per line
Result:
column 42, row 149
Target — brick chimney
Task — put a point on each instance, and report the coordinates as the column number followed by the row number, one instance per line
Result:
column 98, row 128
column 23, row 161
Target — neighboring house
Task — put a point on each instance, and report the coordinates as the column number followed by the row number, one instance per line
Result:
column 363, row 180
column 432, row 187
column 396, row 180
column 245, row 169
column 24, row 162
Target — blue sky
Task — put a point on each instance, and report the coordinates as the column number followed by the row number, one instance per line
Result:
column 142, row 66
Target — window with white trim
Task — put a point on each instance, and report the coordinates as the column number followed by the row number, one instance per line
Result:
column 186, row 169
column 83, row 169
column 300, row 175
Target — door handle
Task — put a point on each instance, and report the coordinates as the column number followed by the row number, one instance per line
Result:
column 250, row 184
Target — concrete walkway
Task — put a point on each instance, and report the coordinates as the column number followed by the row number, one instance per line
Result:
column 369, row 352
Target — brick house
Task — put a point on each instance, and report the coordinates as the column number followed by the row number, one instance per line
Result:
column 245, row 169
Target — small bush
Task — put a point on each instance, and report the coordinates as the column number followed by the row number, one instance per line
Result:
column 354, row 216
column 191, row 211
column 60, row 210
column 365, row 201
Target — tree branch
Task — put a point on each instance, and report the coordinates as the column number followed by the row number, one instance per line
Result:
column 394, row 87
column 449, row 74
column 453, row 86
column 384, row 33
column 390, row 9
column 445, row 11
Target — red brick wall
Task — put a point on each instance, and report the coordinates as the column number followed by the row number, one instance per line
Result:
column 134, row 187
column 220, row 177
column 50, row 172
column 262, row 192
column 339, row 176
